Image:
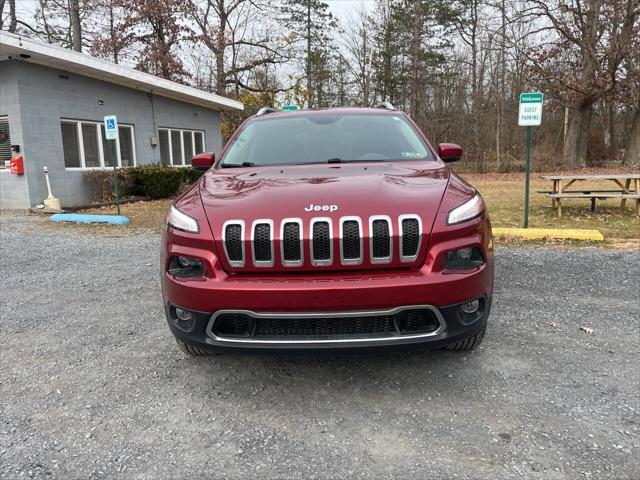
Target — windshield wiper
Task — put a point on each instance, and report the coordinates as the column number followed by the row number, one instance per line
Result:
column 335, row 160
column 233, row 165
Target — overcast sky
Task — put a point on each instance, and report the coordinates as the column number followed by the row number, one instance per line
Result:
column 344, row 8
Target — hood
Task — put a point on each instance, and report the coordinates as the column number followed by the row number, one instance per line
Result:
column 337, row 190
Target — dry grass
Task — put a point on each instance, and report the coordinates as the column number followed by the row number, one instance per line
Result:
column 504, row 194
column 144, row 217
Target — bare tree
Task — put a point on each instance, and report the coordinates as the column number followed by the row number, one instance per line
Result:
column 13, row 21
column 223, row 27
column 581, row 65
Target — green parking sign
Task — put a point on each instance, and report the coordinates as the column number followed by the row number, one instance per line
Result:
column 529, row 115
column 530, row 111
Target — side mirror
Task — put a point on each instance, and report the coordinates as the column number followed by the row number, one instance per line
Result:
column 203, row 161
column 450, row 152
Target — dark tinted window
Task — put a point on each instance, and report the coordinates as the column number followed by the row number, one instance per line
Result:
column 90, row 143
column 319, row 138
column 70, row 144
column 165, row 155
column 198, row 136
column 125, row 136
column 187, row 140
column 108, row 149
column 176, row 147
column 5, row 141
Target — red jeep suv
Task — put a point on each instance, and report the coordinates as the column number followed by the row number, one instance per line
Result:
column 328, row 229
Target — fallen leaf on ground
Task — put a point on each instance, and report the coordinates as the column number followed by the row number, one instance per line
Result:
column 587, row 329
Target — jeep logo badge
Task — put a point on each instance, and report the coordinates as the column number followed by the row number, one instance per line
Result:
column 321, row 208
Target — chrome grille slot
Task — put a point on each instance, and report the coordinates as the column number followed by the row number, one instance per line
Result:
column 410, row 237
column 262, row 243
column 350, row 241
column 292, row 250
column 321, row 242
column 233, row 242
column 381, row 239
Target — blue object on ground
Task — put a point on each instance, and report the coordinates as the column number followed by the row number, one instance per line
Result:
column 79, row 218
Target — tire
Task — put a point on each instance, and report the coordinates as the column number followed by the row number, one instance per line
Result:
column 468, row 343
column 193, row 351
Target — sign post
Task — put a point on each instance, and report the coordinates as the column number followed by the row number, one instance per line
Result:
column 111, row 134
column 529, row 115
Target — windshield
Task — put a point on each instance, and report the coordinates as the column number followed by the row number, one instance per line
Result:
column 326, row 139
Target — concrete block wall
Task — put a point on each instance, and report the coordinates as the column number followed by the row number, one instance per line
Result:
column 47, row 95
column 14, row 190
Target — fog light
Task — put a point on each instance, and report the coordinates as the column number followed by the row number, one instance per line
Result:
column 182, row 266
column 470, row 307
column 183, row 315
column 466, row 258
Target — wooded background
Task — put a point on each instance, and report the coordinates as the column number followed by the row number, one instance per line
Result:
column 456, row 66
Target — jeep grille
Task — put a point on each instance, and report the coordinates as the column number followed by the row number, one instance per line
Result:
column 387, row 240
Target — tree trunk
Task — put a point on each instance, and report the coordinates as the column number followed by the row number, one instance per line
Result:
column 503, row 75
column 309, row 82
column 475, row 91
column 632, row 153
column 416, row 40
column 612, row 151
column 221, row 45
column 112, row 30
column 76, row 30
column 576, row 141
column 13, row 22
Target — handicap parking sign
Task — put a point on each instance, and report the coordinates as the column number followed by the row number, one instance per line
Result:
column 111, row 127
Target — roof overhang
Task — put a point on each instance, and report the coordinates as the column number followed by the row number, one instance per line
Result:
column 28, row 50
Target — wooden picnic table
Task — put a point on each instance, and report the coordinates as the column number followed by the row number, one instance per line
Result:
column 623, row 189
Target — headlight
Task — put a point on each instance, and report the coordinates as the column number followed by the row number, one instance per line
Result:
column 467, row 211
column 178, row 220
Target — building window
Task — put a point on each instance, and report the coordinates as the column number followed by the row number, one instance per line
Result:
column 165, row 148
column 5, row 141
column 90, row 145
column 178, row 146
column 85, row 145
column 70, row 145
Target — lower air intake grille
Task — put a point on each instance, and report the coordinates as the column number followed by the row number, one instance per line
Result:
column 410, row 237
column 298, row 327
column 321, row 248
column 262, row 242
column 233, row 325
column 417, row 321
column 233, row 241
column 282, row 327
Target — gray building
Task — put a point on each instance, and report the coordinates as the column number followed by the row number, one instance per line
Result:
column 52, row 105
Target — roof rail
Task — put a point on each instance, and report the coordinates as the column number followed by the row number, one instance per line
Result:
column 385, row 105
column 266, row 110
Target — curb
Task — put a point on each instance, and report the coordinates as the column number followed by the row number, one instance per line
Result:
column 78, row 218
column 551, row 233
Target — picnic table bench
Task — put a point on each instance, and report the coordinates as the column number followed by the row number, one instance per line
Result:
column 623, row 191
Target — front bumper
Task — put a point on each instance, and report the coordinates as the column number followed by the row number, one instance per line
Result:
column 331, row 292
column 454, row 326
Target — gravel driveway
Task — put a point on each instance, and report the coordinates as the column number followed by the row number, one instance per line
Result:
column 92, row 384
